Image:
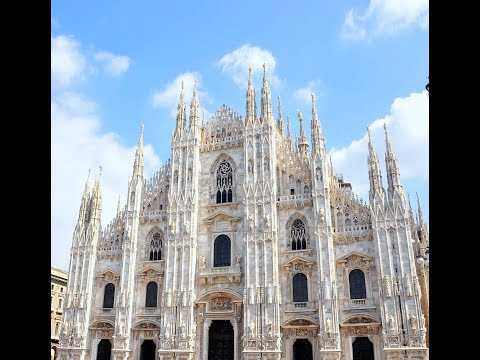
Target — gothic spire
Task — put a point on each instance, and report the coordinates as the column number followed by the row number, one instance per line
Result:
column 289, row 130
column 419, row 210
column 97, row 195
column 194, row 108
column 374, row 172
column 280, row 116
column 302, row 139
column 410, row 209
column 138, row 164
column 118, row 205
column 393, row 173
column 251, row 106
column 83, row 203
column 289, row 133
column 266, row 104
column 87, row 185
column 180, row 113
column 317, row 140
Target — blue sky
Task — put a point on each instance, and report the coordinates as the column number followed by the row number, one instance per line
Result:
column 116, row 63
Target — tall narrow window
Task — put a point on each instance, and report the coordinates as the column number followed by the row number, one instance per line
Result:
column 221, row 251
column 151, row 295
column 357, row 284
column 300, row 288
column 298, row 235
column 155, row 250
column 108, row 296
column 224, row 182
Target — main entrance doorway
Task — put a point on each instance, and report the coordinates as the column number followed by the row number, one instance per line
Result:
column 362, row 349
column 302, row 350
column 147, row 351
column 104, row 349
column 220, row 340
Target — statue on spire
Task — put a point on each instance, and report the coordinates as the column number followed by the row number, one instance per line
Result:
column 280, row 116
column 266, row 103
column 393, row 173
column 302, row 139
column 251, row 108
column 374, row 172
column 180, row 124
column 194, row 108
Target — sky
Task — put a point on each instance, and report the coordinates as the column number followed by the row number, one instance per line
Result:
column 116, row 64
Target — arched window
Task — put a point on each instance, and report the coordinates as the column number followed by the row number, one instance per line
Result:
column 155, row 250
column 357, row 284
column 298, row 235
column 108, row 296
column 104, row 349
column 221, row 251
column 224, row 182
column 151, row 296
column 300, row 288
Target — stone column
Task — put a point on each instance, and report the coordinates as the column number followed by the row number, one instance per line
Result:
column 235, row 339
column 206, row 326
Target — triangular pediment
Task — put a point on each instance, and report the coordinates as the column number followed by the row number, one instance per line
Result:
column 150, row 270
column 221, row 216
column 108, row 274
column 299, row 260
column 353, row 255
column 298, row 264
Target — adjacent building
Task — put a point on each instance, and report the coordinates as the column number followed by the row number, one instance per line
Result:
column 58, row 291
column 247, row 245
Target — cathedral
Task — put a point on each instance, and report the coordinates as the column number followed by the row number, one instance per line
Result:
column 245, row 245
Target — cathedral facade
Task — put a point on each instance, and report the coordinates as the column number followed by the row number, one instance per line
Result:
column 245, row 245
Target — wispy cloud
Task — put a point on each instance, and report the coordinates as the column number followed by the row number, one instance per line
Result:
column 168, row 96
column 79, row 143
column 68, row 62
column 113, row 64
column 304, row 94
column 385, row 17
column 408, row 130
column 236, row 63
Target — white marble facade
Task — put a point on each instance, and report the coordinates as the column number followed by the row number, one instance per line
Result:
column 220, row 231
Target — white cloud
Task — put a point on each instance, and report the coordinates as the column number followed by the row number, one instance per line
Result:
column 78, row 143
column 385, row 17
column 236, row 64
column 407, row 126
column 168, row 97
column 304, row 94
column 113, row 64
column 68, row 63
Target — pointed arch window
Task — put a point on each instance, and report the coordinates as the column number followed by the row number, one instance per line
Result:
column 155, row 249
column 356, row 279
column 224, row 182
column 222, row 251
column 108, row 296
column 151, row 295
column 298, row 235
column 300, row 288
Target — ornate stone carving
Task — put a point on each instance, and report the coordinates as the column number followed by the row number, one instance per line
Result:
column 221, row 304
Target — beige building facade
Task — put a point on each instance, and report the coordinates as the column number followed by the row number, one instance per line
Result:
column 58, row 290
column 246, row 245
